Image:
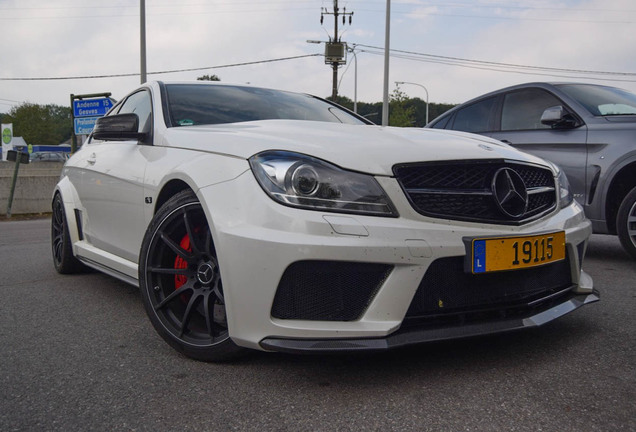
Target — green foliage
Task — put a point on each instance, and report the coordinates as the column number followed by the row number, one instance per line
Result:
column 40, row 124
column 208, row 78
column 434, row 110
column 409, row 112
column 401, row 113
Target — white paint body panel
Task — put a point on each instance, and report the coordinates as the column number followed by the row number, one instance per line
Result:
column 115, row 186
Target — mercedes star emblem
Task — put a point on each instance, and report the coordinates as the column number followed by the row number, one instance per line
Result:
column 510, row 192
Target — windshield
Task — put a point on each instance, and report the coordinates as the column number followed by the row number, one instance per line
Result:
column 201, row 104
column 602, row 101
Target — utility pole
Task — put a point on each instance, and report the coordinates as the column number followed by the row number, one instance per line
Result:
column 335, row 49
column 387, row 48
column 142, row 38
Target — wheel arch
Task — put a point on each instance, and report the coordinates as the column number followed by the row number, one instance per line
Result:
column 70, row 200
column 194, row 174
column 170, row 189
column 622, row 182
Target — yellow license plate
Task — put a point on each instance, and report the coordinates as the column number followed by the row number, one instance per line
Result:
column 512, row 253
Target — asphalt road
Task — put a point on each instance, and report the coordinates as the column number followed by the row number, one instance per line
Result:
column 77, row 353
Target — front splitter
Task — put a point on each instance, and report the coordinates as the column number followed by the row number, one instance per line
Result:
column 412, row 336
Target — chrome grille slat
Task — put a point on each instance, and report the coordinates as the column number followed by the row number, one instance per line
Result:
column 463, row 190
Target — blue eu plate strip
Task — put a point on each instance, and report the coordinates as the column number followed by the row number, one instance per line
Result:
column 479, row 256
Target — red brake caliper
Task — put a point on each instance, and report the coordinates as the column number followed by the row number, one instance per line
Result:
column 180, row 263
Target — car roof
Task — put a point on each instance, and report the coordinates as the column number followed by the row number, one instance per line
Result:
column 541, row 84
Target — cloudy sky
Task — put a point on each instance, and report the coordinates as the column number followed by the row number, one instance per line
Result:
column 457, row 49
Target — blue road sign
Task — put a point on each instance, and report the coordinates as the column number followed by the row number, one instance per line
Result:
column 91, row 107
column 84, row 125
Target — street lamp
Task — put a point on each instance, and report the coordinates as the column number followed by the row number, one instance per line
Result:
column 420, row 85
column 352, row 50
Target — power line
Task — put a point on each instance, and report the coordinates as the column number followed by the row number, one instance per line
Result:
column 556, row 75
column 498, row 6
column 246, row 9
column 159, row 72
column 135, row 6
column 482, row 64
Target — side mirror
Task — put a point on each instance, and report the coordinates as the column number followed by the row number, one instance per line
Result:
column 558, row 118
column 118, row 127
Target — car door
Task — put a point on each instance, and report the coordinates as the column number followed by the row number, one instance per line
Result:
column 112, row 188
column 518, row 123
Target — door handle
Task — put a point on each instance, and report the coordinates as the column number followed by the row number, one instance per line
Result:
column 92, row 159
column 506, row 142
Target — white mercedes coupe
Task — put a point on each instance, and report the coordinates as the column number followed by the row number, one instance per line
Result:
column 277, row 221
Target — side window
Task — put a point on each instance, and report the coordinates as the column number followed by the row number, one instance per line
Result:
column 441, row 124
column 522, row 109
column 139, row 103
column 475, row 117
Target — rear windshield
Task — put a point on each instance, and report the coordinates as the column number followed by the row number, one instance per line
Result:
column 197, row 104
column 602, row 101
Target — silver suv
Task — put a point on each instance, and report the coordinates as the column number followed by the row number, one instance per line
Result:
column 588, row 130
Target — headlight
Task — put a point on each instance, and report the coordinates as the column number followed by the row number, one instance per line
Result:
column 302, row 181
column 565, row 194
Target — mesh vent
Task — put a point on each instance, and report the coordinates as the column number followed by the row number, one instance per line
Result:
column 462, row 190
column 447, row 289
column 327, row 290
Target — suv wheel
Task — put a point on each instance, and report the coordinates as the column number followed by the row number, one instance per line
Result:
column 626, row 223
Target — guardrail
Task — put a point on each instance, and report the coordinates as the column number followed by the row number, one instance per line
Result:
column 34, row 187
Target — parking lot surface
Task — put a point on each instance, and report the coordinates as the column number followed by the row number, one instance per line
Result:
column 78, row 353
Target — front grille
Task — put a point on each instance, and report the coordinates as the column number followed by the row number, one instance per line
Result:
column 327, row 290
column 463, row 190
column 447, row 289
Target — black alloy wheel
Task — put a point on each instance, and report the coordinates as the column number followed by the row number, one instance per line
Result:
column 61, row 248
column 181, row 282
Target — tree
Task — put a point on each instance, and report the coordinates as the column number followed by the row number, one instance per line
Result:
column 434, row 110
column 404, row 111
column 208, row 78
column 401, row 113
column 40, row 124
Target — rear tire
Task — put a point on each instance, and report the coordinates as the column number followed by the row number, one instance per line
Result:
column 626, row 223
column 180, row 282
column 61, row 248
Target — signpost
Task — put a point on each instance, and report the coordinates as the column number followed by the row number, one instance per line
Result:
column 19, row 157
column 87, row 109
column 91, row 107
column 84, row 125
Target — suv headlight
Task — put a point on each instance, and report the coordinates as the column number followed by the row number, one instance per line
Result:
column 565, row 194
column 297, row 180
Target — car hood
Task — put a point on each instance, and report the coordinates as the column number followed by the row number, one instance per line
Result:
column 370, row 149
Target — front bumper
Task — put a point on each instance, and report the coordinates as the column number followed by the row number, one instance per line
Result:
column 410, row 335
column 258, row 240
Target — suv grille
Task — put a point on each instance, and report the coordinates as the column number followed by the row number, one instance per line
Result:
column 494, row 191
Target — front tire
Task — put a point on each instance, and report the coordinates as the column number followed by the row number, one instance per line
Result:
column 626, row 223
column 181, row 283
